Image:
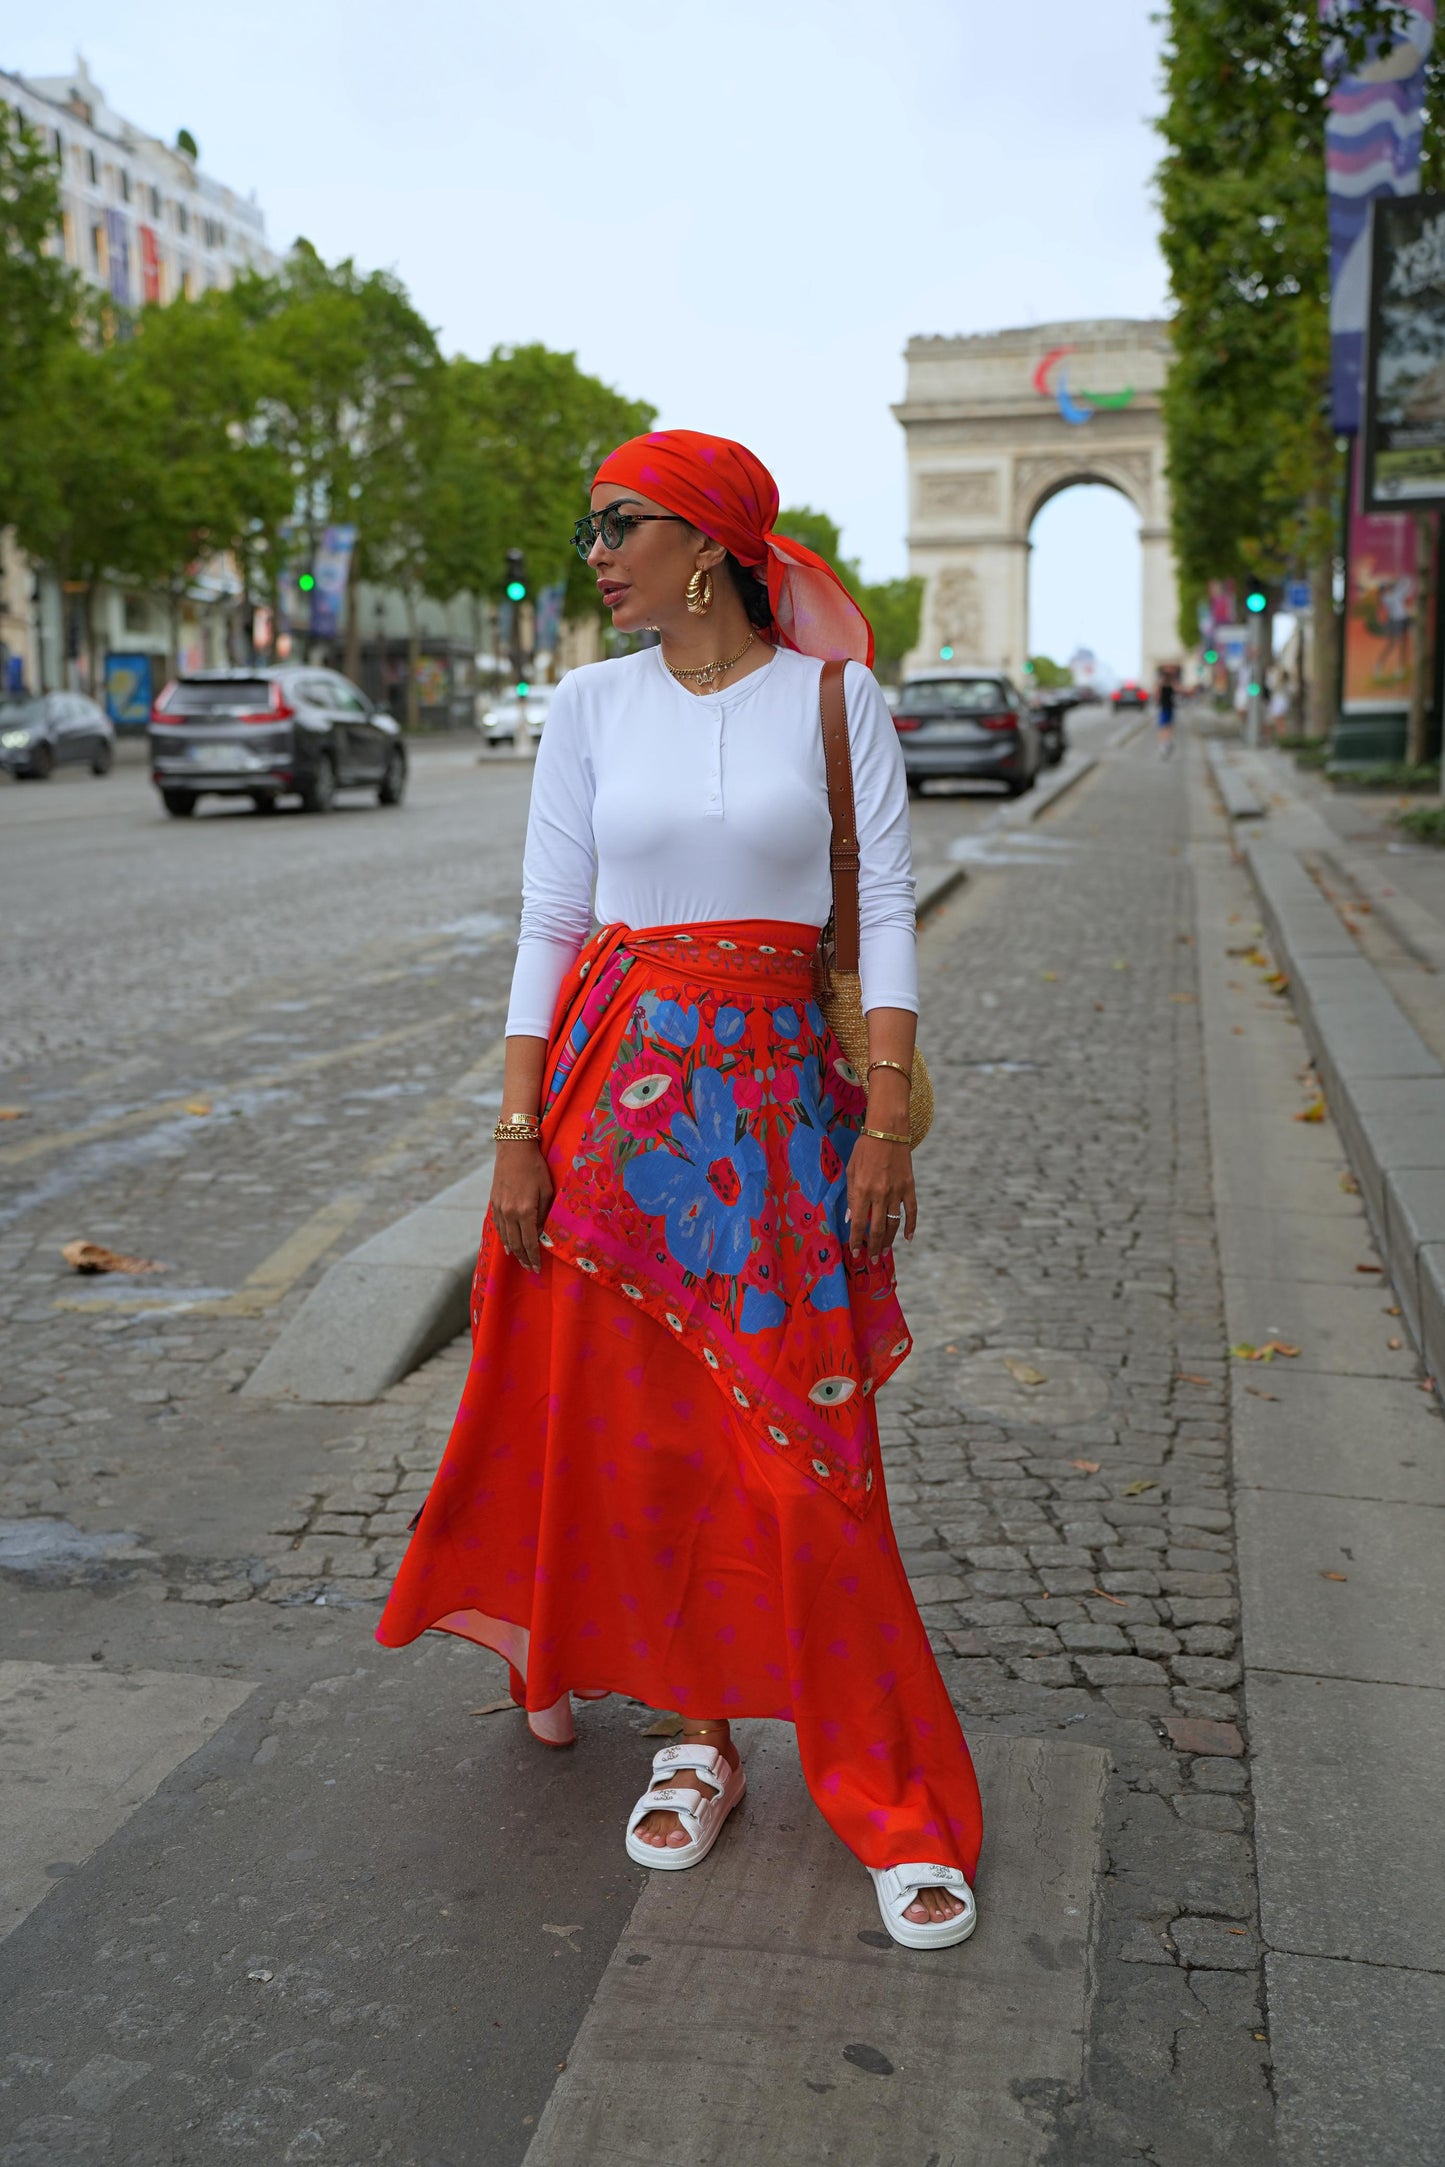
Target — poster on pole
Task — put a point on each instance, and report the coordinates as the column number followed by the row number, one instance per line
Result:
column 1381, row 608
column 1372, row 148
column 330, row 569
column 1404, row 421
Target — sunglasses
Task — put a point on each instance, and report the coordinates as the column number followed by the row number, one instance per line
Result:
column 612, row 527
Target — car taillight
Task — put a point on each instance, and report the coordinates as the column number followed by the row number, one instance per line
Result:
column 908, row 722
column 158, row 713
column 278, row 711
column 1005, row 721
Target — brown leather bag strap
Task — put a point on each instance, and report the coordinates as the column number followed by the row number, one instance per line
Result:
column 843, row 854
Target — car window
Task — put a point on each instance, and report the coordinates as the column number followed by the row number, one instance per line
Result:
column 346, row 697
column 956, row 695
column 236, row 695
column 317, row 692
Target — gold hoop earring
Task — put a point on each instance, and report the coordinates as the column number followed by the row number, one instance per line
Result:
column 699, row 593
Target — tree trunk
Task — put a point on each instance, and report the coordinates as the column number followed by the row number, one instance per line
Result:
column 1424, row 646
column 93, row 672
column 413, row 662
column 353, row 620
column 1324, row 652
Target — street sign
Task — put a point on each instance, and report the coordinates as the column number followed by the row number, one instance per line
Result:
column 1296, row 595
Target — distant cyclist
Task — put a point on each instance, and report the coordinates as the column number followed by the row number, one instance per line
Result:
column 1164, row 713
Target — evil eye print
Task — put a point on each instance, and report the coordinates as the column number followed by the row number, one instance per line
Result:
column 545, row 1240
column 647, row 1090
column 710, row 1358
column 741, row 1397
column 585, row 1264
column 847, row 1071
column 675, row 1322
column 868, row 1480
column 822, row 1469
column 634, row 1294
column 900, row 1346
column 779, row 1437
column 832, row 1391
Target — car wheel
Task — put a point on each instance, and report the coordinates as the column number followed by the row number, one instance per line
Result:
column 180, row 804
column 392, row 787
column 102, row 759
column 264, row 800
column 42, row 762
column 318, row 792
column 1016, row 785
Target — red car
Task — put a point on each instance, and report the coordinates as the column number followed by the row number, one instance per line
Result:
column 1129, row 695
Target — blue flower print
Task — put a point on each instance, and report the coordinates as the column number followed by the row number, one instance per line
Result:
column 730, row 1025
column 819, row 1151
column 831, row 1292
column 787, row 1022
column 760, row 1310
column 814, row 1015
column 708, row 1200
column 670, row 1021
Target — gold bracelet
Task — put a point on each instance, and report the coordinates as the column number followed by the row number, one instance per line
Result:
column 517, row 1129
column 886, row 1136
column 891, row 1064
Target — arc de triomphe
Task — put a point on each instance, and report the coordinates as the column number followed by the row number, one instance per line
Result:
column 995, row 426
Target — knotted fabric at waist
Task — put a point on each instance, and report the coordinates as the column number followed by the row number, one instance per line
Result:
column 759, row 955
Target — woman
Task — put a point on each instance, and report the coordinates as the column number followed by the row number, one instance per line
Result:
column 664, row 1476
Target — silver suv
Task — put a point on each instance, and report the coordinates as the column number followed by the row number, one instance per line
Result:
column 265, row 734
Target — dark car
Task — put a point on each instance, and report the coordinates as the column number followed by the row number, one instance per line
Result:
column 265, row 734
column 1049, row 708
column 1129, row 695
column 42, row 731
column 971, row 724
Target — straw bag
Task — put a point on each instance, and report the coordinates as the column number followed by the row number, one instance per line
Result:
column 841, row 991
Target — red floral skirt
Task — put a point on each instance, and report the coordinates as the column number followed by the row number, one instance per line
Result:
column 663, row 1479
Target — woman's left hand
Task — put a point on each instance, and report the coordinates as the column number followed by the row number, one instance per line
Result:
column 881, row 1200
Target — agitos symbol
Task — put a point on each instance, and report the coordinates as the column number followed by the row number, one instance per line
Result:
column 1069, row 406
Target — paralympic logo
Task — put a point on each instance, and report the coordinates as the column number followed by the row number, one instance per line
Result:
column 1069, row 405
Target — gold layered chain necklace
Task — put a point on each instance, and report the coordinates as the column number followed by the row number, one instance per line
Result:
column 707, row 675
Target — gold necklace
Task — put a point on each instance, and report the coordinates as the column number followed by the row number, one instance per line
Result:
column 705, row 676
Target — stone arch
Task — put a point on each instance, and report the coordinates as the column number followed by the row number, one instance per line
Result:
column 993, row 430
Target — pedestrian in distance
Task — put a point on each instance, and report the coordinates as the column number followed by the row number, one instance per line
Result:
column 664, row 1477
column 1164, row 714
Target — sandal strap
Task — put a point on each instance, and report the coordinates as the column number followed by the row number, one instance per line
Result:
column 685, row 1804
column 901, row 1884
column 704, row 1760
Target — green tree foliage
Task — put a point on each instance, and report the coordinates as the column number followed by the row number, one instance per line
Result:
column 893, row 607
column 38, row 297
column 1047, row 674
column 1245, row 235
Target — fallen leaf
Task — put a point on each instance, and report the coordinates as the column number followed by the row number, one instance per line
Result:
column 1313, row 1112
column 1258, row 1392
column 664, row 1727
column 1086, row 1467
column 1394, row 1345
column 1277, row 981
column 14, row 1113
column 1024, row 1372
column 1245, row 1353
column 1187, row 1376
column 1238, row 1029
column 1239, row 1929
column 1369, row 1267
column 1256, row 956
column 494, row 1708
column 1182, row 996
column 1392, row 1311
column 1121, row 963
column 198, row 1106
column 1098, row 1008
column 1105, row 1596
column 92, row 1257
column 564, row 1931
column 1426, row 1384
column 1334, row 1576
column 1137, row 1489
column 1349, row 1184
column 1049, row 977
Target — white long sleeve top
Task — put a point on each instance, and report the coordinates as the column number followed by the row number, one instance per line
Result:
column 680, row 809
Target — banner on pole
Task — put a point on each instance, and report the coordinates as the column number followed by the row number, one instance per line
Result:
column 1381, row 607
column 1372, row 148
column 331, row 569
column 547, row 621
column 1404, row 418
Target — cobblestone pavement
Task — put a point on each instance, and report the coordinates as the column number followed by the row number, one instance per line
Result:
column 1057, row 1447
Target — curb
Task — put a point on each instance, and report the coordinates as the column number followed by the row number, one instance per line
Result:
column 1238, row 799
column 1383, row 1085
column 377, row 1314
column 936, row 887
column 1043, row 796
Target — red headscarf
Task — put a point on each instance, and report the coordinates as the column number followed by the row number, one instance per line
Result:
column 721, row 488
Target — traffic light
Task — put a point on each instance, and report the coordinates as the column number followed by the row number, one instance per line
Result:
column 516, row 576
column 306, row 582
column 523, row 688
column 1254, row 601
column 945, row 654
column 1211, row 654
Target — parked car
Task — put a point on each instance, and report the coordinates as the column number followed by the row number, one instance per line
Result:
column 265, row 734
column 1049, row 708
column 1129, row 694
column 973, row 724
column 46, row 730
column 503, row 720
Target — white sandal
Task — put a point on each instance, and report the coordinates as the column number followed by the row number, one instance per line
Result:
column 898, row 1887
column 701, row 1817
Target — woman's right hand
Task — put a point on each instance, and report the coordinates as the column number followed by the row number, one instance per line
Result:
column 521, row 1199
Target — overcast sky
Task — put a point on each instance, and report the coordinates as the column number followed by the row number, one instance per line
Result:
column 738, row 212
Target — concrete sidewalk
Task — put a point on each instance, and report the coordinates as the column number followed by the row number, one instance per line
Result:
column 1340, row 1466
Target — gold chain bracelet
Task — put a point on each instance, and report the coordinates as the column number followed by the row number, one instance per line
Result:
column 886, row 1136
column 517, row 1129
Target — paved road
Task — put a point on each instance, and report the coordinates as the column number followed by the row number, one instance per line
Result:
column 358, row 1921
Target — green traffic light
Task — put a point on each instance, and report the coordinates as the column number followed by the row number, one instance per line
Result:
column 1254, row 602
column 306, row 583
column 523, row 688
column 945, row 654
column 516, row 590
column 1211, row 654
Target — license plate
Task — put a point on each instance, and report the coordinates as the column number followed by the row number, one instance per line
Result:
column 946, row 733
column 227, row 756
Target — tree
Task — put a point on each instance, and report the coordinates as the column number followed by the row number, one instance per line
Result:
column 1047, row 674
column 38, row 297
